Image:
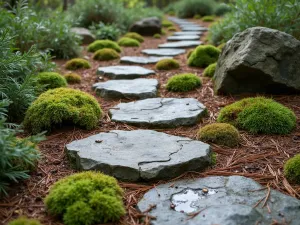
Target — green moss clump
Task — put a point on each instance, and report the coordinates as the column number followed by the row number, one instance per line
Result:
column 51, row 80
column 135, row 36
column 77, row 63
column 220, row 134
column 183, row 82
column 204, row 55
column 163, row 32
column 208, row 18
column 292, row 169
column 157, row 36
column 259, row 115
column 100, row 44
column 221, row 46
column 167, row 64
column 213, row 158
column 128, row 42
column 197, row 16
column 210, row 70
column 171, row 13
column 190, row 52
column 24, row 221
column 106, row 54
column 73, row 78
column 62, row 105
column 172, row 28
column 86, row 198
column 167, row 23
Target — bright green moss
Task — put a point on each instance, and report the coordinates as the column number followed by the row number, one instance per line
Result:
column 62, row 105
column 100, row 44
column 259, row 115
column 183, row 82
column 203, row 56
column 213, row 158
column 167, row 64
column 163, row 32
column 292, row 169
column 167, row 23
column 106, row 54
column 157, row 36
column 73, row 78
column 221, row 46
column 190, row 52
column 128, row 42
column 135, row 36
column 208, row 18
column 86, row 198
column 77, row 63
column 50, row 80
column 171, row 13
column 210, row 70
column 24, row 221
column 220, row 134
column 172, row 28
column 197, row 16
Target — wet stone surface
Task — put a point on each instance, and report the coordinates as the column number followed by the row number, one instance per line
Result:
column 180, row 44
column 164, row 52
column 141, row 59
column 124, row 72
column 218, row 200
column 183, row 38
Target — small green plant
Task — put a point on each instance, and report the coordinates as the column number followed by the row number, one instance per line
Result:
column 222, row 9
column 259, row 115
column 51, row 80
column 220, row 134
column 172, row 29
column 72, row 78
column 24, row 221
column 163, row 32
column 221, row 46
column 106, row 54
column 135, row 36
column 197, row 16
column 62, row 105
column 100, row 44
column 213, row 158
column 190, row 8
column 167, row 64
column 203, row 56
column 157, row 36
column 292, row 169
column 210, row 70
column 128, row 42
column 105, row 32
column 167, row 23
column 208, row 18
column 183, row 82
column 86, row 198
column 189, row 53
column 77, row 63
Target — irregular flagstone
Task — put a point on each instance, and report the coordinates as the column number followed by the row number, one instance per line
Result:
column 137, row 88
column 85, row 34
column 159, row 112
column 139, row 154
column 183, row 38
column 193, row 28
column 164, row 52
column 180, row 44
column 124, row 72
column 179, row 33
column 141, row 59
column 218, row 200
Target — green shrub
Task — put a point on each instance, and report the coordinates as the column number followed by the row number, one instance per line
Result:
column 183, row 82
column 77, row 63
column 190, row 8
column 292, row 169
column 105, row 32
column 208, row 18
column 203, row 56
column 172, row 29
column 259, row 115
column 157, row 36
column 167, row 23
column 106, row 54
column 222, row 9
column 51, row 80
column 128, row 42
column 100, row 44
column 135, row 36
column 197, row 16
column 62, row 105
column 86, row 198
column 220, row 134
column 72, row 78
column 24, row 221
column 210, row 70
column 167, row 64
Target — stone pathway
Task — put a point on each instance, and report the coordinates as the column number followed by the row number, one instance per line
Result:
column 142, row 59
column 164, row 52
column 188, row 33
column 124, row 72
column 180, row 44
column 183, row 38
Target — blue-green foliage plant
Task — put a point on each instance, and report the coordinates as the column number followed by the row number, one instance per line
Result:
column 105, row 31
column 190, row 8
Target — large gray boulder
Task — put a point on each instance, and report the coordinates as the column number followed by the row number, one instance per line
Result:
column 148, row 26
column 85, row 34
column 259, row 60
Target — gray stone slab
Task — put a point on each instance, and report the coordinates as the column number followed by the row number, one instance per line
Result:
column 193, row 28
column 124, row 72
column 179, row 33
column 218, row 200
column 139, row 154
column 183, row 38
column 164, row 52
column 141, row 59
column 180, row 44
column 159, row 112
column 132, row 89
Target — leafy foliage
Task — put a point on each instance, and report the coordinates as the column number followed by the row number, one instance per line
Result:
column 100, row 44
column 106, row 54
column 222, row 9
column 105, row 32
column 51, row 80
column 208, row 18
column 72, row 78
column 135, row 36
column 183, row 82
column 167, row 64
column 77, row 63
column 128, row 42
column 203, row 56
column 190, row 8
column 292, row 169
column 24, row 221
column 210, row 70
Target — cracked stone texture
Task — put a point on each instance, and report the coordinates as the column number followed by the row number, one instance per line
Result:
column 233, row 204
column 180, row 33
column 132, row 89
column 139, row 154
column 183, row 38
column 164, row 52
column 159, row 112
column 85, row 34
column 259, row 60
column 193, row 28
column 124, row 72
column 180, row 44
column 142, row 59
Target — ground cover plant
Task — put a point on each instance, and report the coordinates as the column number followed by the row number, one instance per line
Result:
column 210, row 70
column 128, row 42
column 292, row 169
column 50, row 80
column 77, row 63
column 203, row 56
column 167, row 64
column 24, row 221
column 135, row 36
column 183, row 82
column 100, row 44
column 191, row 8
column 72, row 78
column 106, row 54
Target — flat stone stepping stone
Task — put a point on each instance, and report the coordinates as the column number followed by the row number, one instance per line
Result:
column 137, row 88
column 183, row 38
column 141, row 59
column 124, row 72
column 180, row 44
column 218, row 200
column 139, row 154
column 183, row 33
column 163, row 52
column 159, row 112
column 194, row 28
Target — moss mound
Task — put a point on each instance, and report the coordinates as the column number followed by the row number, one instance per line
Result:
column 128, row 42
column 157, row 36
column 259, row 115
column 62, row 105
column 204, row 55
column 77, row 63
column 24, row 221
column 210, row 70
column 51, row 80
column 190, row 52
column 100, row 44
column 220, row 134
column 135, row 36
column 221, row 46
column 167, row 64
column 292, row 169
column 172, row 29
column 86, row 198
column 197, row 16
column 106, row 54
column 208, row 18
column 183, row 82
column 163, row 32
column 167, row 23
column 73, row 78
